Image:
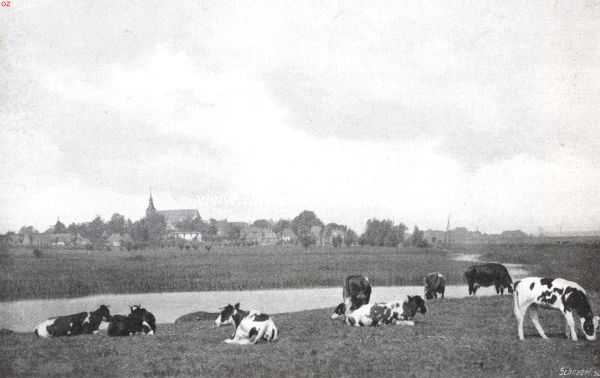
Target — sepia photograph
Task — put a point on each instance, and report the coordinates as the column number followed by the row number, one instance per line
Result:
column 231, row 188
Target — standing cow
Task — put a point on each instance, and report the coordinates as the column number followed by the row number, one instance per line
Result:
column 434, row 283
column 488, row 274
column 357, row 291
column 555, row 293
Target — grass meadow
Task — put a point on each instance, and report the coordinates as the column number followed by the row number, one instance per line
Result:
column 69, row 273
column 473, row 337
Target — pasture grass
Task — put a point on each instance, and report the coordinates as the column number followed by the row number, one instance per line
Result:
column 456, row 338
column 69, row 273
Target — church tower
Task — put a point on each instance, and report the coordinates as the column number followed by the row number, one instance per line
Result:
column 151, row 210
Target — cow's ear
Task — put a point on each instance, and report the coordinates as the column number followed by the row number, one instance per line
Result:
column 409, row 297
column 237, row 306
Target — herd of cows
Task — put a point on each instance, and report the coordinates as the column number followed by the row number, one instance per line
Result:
column 250, row 327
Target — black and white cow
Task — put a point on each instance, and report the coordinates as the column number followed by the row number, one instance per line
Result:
column 139, row 321
column 554, row 293
column 249, row 327
column 76, row 324
column 356, row 291
column 397, row 312
column 434, row 283
column 488, row 274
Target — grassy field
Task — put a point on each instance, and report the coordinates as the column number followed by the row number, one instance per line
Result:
column 66, row 273
column 456, row 338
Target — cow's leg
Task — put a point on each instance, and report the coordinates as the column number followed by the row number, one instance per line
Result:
column 442, row 292
column 520, row 312
column 571, row 325
column 533, row 314
column 567, row 329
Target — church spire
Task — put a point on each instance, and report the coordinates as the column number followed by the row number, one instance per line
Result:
column 151, row 210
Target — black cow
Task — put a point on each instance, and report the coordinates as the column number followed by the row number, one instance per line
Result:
column 488, row 274
column 76, row 324
column 434, row 283
column 139, row 320
column 357, row 290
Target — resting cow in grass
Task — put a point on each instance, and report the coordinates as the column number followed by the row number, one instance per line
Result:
column 398, row 312
column 139, row 321
column 488, row 274
column 76, row 324
column 249, row 327
column 554, row 293
column 434, row 283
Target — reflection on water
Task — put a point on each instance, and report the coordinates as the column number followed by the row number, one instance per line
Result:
column 23, row 316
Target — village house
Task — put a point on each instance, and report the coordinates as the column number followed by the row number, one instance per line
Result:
column 118, row 240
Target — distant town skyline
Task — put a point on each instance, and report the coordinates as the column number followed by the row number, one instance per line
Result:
column 409, row 111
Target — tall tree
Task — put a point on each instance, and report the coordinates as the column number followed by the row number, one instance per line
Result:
column 302, row 224
column 116, row 224
column 59, row 227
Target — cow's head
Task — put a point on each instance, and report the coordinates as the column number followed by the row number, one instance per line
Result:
column 226, row 314
column 589, row 325
column 428, row 294
column 412, row 305
column 339, row 311
column 146, row 317
column 103, row 312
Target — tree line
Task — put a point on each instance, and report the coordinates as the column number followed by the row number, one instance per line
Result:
column 306, row 226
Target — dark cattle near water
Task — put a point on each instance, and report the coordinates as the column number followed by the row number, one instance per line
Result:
column 434, row 283
column 488, row 274
column 558, row 294
column 249, row 327
column 357, row 291
column 139, row 320
column 76, row 324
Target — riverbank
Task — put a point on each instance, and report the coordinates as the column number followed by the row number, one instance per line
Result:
column 68, row 273
column 456, row 338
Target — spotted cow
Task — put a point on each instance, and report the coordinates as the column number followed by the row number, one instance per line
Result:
column 76, row 324
column 249, row 327
column 397, row 312
column 555, row 293
column 139, row 321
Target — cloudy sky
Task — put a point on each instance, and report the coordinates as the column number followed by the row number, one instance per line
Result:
column 487, row 111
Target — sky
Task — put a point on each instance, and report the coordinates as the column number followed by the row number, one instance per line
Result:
column 483, row 111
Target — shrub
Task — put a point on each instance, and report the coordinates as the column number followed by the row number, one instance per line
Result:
column 37, row 253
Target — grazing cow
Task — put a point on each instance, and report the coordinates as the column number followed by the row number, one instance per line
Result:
column 249, row 327
column 398, row 312
column 434, row 283
column 486, row 275
column 356, row 291
column 139, row 320
column 76, row 324
column 559, row 294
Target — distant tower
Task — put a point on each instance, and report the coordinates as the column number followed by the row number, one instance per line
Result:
column 151, row 210
column 447, row 235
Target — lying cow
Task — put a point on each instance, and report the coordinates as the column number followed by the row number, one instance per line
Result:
column 356, row 291
column 559, row 294
column 139, row 321
column 249, row 327
column 488, row 274
column 76, row 324
column 375, row 314
column 434, row 283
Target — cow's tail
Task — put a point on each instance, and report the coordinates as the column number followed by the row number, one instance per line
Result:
column 36, row 332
